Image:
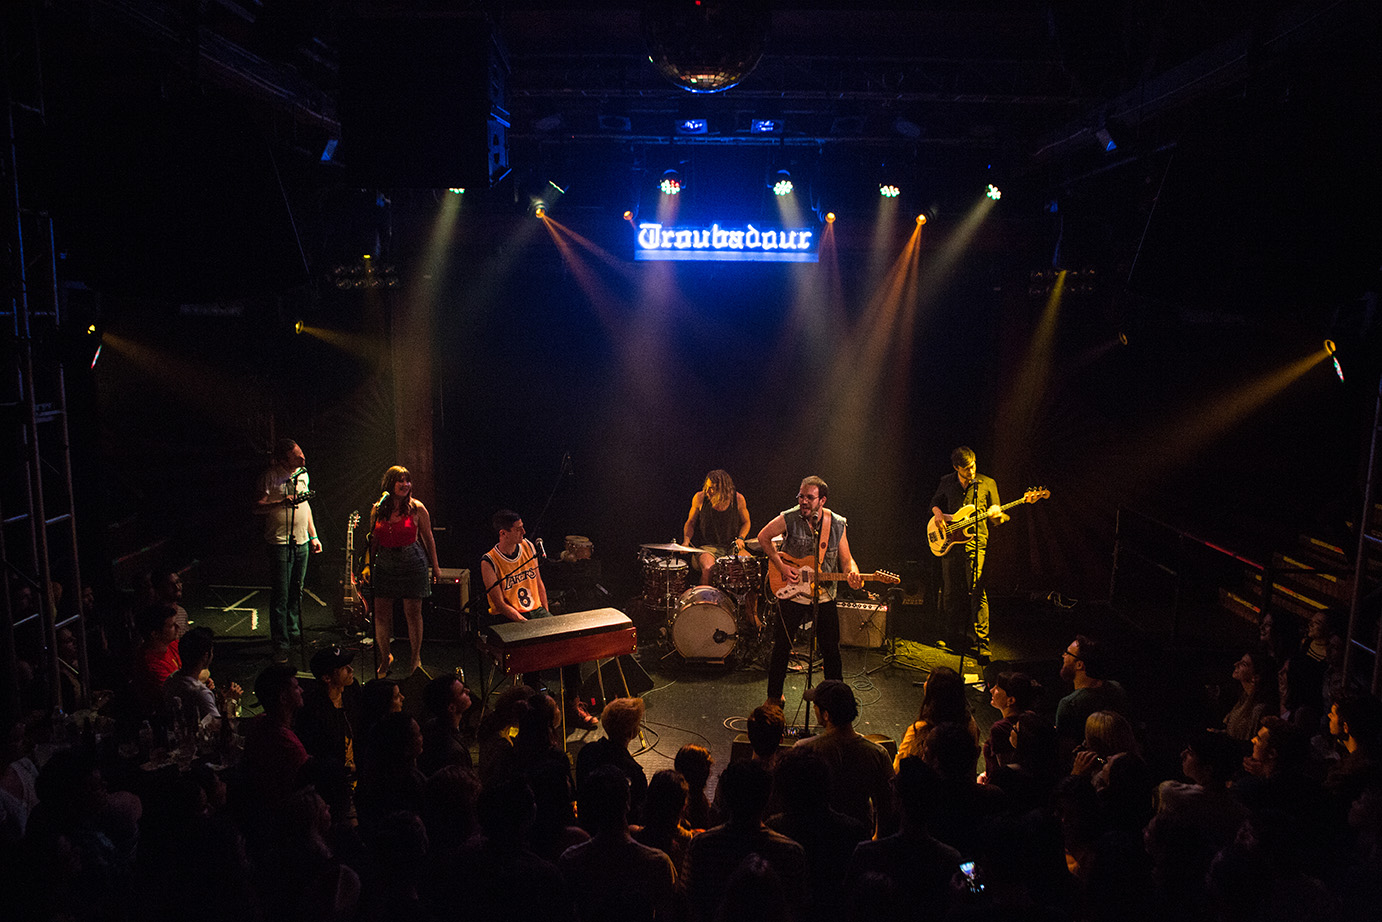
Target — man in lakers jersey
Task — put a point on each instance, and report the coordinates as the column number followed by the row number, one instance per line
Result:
column 513, row 585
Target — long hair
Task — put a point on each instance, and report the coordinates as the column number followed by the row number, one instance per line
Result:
column 719, row 485
column 943, row 699
column 389, row 504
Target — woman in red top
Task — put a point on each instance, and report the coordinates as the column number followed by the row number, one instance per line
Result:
column 401, row 533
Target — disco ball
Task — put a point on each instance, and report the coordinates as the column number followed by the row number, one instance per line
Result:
column 706, row 46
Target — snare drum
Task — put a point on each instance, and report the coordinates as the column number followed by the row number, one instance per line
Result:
column 703, row 627
column 664, row 579
column 737, row 575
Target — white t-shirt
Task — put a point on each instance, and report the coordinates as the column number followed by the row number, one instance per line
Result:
column 277, row 485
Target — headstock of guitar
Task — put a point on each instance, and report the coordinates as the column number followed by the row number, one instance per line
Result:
column 1035, row 493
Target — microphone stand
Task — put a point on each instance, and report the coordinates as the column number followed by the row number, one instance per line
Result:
column 971, row 608
column 815, row 608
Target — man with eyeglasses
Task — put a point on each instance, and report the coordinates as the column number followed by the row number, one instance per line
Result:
column 805, row 526
column 1082, row 665
column 962, row 567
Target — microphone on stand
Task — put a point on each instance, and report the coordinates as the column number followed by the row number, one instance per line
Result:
column 541, row 551
column 720, row 636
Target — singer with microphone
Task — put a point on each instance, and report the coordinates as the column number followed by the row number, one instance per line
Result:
column 401, row 550
column 808, row 526
column 514, row 588
column 289, row 531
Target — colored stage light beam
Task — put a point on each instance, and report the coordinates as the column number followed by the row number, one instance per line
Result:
column 196, row 383
column 1017, row 416
column 366, row 348
column 871, row 374
column 1177, row 443
column 611, row 309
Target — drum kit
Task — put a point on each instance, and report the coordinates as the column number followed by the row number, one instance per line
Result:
column 715, row 623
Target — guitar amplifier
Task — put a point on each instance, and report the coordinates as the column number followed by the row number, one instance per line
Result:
column 863, row 624
column 444, row 616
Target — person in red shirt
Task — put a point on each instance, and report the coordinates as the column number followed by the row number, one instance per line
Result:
column 157, row 656
column 402, row 548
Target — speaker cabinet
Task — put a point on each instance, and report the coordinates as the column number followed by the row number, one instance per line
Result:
column 423, row 102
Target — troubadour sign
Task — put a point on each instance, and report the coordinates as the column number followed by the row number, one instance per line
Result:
column 746, row 243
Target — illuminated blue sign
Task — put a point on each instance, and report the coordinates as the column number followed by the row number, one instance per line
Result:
column 747, row 243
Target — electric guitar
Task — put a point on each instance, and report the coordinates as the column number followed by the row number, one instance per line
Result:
column 354, row 608
column 965, row 520
column 788, row 590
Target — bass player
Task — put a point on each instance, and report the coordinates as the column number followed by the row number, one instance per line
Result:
column 963, row 597
column 806, row 526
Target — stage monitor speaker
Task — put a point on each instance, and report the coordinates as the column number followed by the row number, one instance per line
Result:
column 444, row 617
column 639, row 682
column 863, row 624
column 909, row 620
column 423, row 102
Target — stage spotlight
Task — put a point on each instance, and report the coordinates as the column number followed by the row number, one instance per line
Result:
column 830, row 217
column 765, row 126
column 671, row 182
column 993, row 192
column 1123, row 338
column 456, row 191
column 921, row 219
column 693, row 126
column 1333, row 353
column 1106, row 140
column 628, row 216
column 540, row 210
column 888, row 190
column 782, row 183
column 297, row 326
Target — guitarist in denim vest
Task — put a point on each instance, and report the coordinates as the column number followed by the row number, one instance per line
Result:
column 965, row 487
column 803, row 526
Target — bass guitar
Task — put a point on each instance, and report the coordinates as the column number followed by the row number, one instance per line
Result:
column 965, row 520
column 790, row 590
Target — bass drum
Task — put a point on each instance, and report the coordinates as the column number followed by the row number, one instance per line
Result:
column 703, row 627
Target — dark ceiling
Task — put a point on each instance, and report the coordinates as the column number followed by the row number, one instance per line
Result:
column 1255, row 93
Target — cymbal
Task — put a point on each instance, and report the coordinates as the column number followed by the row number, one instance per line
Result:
column 672, row 548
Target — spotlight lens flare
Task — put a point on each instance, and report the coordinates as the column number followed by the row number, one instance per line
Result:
column 830, row 217
column 993, row 192
column 887, row 190
column 921, row 219
column 670, row 186
column 540, row 210
column 782, row 187
column 456, row 191
column 628, row 216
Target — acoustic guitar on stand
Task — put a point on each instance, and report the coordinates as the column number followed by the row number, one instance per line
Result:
column 965, row 520
column 790, row 590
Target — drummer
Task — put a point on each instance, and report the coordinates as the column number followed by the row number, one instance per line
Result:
column 721, row 517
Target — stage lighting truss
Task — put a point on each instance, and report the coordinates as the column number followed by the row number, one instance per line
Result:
column 364, row 274
column 1078, row 282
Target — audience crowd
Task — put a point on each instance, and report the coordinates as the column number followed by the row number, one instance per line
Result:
column 339, row 805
